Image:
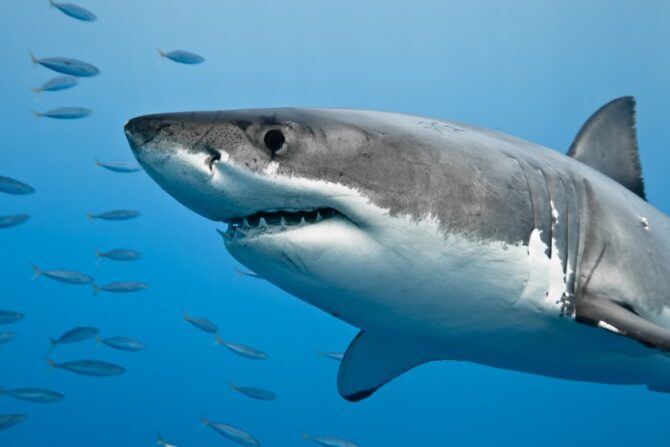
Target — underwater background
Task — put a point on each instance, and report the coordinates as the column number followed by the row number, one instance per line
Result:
column 533, row 69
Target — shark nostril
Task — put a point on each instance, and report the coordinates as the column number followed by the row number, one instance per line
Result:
column 213, row 158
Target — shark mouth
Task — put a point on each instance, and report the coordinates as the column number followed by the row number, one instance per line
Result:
column 275, row 221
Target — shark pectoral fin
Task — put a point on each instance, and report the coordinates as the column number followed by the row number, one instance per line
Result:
column 372, row 361
column 607, row 143
column 624, row 321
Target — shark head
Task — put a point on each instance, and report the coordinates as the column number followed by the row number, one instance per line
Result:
column 344, row 209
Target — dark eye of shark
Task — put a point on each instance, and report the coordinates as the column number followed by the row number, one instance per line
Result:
column 274, row 140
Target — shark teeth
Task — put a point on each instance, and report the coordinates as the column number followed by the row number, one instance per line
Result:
column 274, row 220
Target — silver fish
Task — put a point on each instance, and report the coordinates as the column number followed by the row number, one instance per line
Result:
column 247, row 273
column 329, row 441
column 338, row 356
column 57, row 84
column 232, row 433
column 6, row 337
column 10, row 420
column 95, row 368
column 202, row 323
column 120, row 287
column 119, row 166
column 242, row 350
column 13, row 186
column 160, row 441
column 66, row 276
column 37, row 395
column 115, row 215
column 74, row 335
column 182, row 57
column 74, row 11
column 14, row 220
column 122, row 343
column 66, row 65
column 119, row 254
column 9, row 316
column 65, row 113
column 254, row 392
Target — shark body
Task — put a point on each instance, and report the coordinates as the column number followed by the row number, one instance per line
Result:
column 440, row 241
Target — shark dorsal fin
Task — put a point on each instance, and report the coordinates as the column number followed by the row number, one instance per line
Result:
column 607, row 143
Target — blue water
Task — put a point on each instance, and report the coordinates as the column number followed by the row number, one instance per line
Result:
column 534, row 69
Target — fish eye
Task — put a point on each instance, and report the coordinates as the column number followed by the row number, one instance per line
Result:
column 274, row 140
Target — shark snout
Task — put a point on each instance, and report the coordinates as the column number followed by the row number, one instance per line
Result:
column 142, row 130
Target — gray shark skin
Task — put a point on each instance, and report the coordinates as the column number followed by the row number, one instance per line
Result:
column 439, row 240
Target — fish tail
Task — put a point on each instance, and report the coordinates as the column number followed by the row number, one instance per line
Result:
column 36, row 272
column 33, row 59
column 53, row 344
column 36, row 89
column 51, row 3
column 36, row 113
column 97, row 162
column 159, row 439
column 218, row 340
column 2, row 391
column 90, row 216
column 98, row 340
column 162, row 54
column 96, row 289
column 51, row 363
column 232, row 386
column 204, row 422
column 307, row 436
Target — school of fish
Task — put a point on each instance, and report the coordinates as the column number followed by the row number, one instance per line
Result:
column 71, row 71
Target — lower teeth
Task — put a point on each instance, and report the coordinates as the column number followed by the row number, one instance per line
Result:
column 266, row 221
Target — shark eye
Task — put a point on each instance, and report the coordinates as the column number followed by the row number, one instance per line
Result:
column 274, row 140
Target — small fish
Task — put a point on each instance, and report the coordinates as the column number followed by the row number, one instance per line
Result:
column 14, row 220
column 119, row 254
column 95, row 368
column 333, row 355
column 232, row 433
column 202, row 323
column 119, row 166
column 57, row 84
column 115, row 215
column 65, row 113
column 122, row 343
column 10, row 317
column 244, row 351
column 37, row 395
column 329, row 441
column 182, row 57
column 249, row 274
column 74, row 11
column 10, row 420
column 74, row 335
column 15, row 187
column 66, row 276
column 68, row 66
column 254, row 392
column 6, row 337
column 120, row 287
column 160, row 441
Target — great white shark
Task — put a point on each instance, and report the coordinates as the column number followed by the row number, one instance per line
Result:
column 438, row 240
